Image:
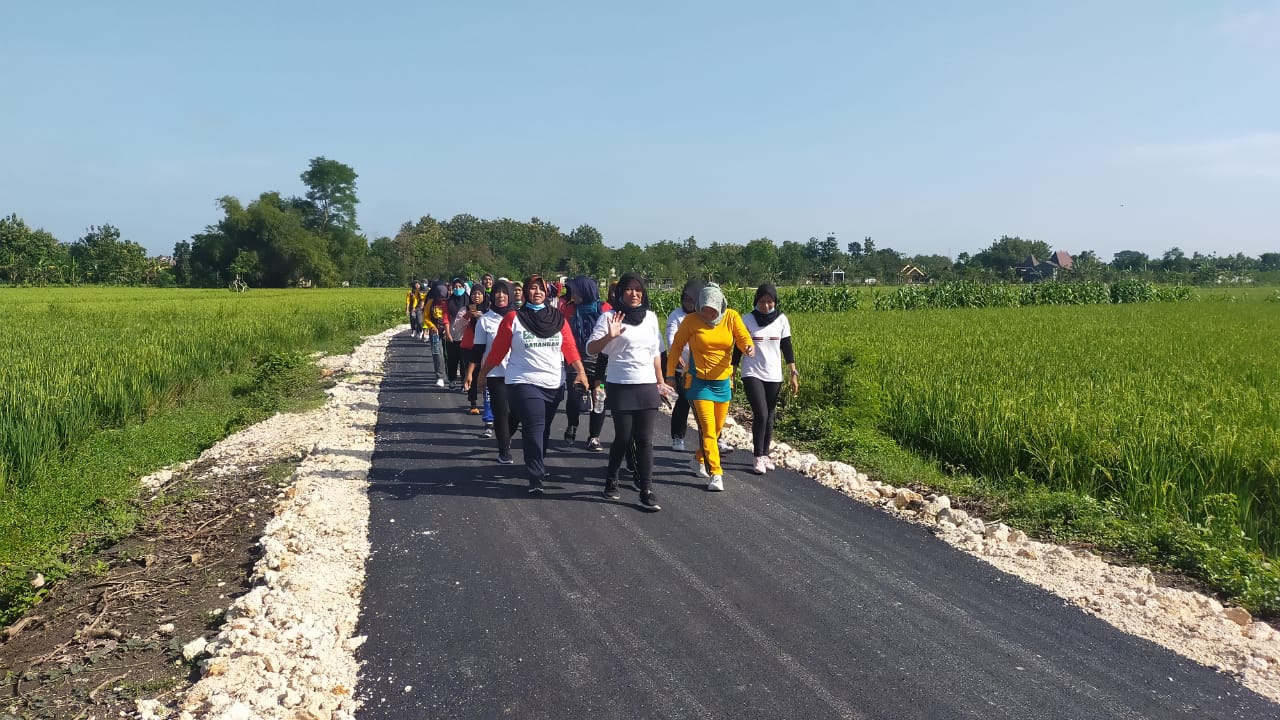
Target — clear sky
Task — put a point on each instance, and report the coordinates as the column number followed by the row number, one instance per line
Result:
column 933, row 127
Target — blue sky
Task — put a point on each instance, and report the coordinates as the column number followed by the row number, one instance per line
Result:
column 933, row 127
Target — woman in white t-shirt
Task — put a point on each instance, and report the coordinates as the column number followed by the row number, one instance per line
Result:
column 680, row 413
column 503, row 421
column 630, row 336
column 536, row 342
column 762, row 375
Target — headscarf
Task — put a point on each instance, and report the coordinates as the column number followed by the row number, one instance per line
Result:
column 483, row 305
column 440, row 292
column 503, row 286
column 584, row 288
column 631, row 315
column 691, row 290
column 457, row 303
column 586, row 311
column 542, row 323
column 765, row 290
column 711, row 296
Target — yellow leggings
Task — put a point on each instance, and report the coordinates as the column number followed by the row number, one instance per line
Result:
column 710, row 416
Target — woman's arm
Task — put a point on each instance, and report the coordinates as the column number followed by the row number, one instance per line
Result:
column 678, row 342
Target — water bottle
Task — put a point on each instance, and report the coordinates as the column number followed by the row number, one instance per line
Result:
column 598, row 406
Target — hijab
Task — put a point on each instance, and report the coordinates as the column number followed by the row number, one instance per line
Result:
column 763, row 319
column 711, row 296
column 456, row 303
column 631, row 315
column 690, row 291
column 440, row 292
column 503, row 286
column 585, row 289
column 542, row 323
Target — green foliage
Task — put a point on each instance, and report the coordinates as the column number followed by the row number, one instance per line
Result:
column 1146, row 428
column 154, row 379
column 969, row 294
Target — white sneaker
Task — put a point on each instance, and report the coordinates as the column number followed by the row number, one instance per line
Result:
column 677, row 444
column 699, row 470
column 760, row 467
column 768, row 463
column 440, row 382
column 725, row 445
column 716, row 484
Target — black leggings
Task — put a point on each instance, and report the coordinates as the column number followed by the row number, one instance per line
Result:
column 633, row 430
column 453, row 355
column 763, row 397
column 505, row 421
column 680, row 413
column 473, row 393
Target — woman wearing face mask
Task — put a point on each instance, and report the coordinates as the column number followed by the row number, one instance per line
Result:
column 457, row 318
column 680, row 413
column 710, row 334
column 582, row 311
column 762, row 375
column 535, row 341
column 629, row 335
column 499, row 421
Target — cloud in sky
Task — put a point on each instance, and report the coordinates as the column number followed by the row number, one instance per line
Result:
column 1254, row 156
column 1259, row 27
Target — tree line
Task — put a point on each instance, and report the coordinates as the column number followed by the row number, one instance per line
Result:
column 315, row 240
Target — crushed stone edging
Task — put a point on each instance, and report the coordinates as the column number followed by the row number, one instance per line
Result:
column 1191, row 624
column 287, row 647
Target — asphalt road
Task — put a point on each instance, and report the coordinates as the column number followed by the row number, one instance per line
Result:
column 777, row 598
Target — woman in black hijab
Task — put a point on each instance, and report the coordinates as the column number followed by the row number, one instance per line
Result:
column 535, row 341
column 762, row 375
column 630, row 336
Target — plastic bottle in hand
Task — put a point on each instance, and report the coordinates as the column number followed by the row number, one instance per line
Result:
column 598, row 406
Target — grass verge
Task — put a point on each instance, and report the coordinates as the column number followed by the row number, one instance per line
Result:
column 87, row 499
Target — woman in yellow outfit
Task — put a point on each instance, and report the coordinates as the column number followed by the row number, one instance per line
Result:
column 414, row 305
column 710, row 334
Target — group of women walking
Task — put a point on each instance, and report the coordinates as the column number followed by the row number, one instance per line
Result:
column 520, row 350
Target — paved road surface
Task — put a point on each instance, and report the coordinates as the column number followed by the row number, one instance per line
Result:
column 775, row 599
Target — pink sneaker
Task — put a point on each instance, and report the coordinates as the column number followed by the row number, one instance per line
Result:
column 768, row 462
column 760, row 466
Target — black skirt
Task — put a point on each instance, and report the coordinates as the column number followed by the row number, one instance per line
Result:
column 630, row 398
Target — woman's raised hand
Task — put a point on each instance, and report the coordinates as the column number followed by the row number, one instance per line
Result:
column 615, row 327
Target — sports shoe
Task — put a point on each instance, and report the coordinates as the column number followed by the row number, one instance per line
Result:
column 593, row 444
column 768, row 462
column 535, row 487
column 504, row 459
column 725, row 445
column 677, row 444
column 611, row 490
column 699, row 470
column 760, row 467
column 474, row 410
column 440, row 383
column 649, row 502
column 488, row 432
column 716, row 484
column 570, row 434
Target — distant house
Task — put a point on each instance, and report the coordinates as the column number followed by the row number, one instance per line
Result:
column 1032, row 270
column 912, row 274
column 837, row 276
